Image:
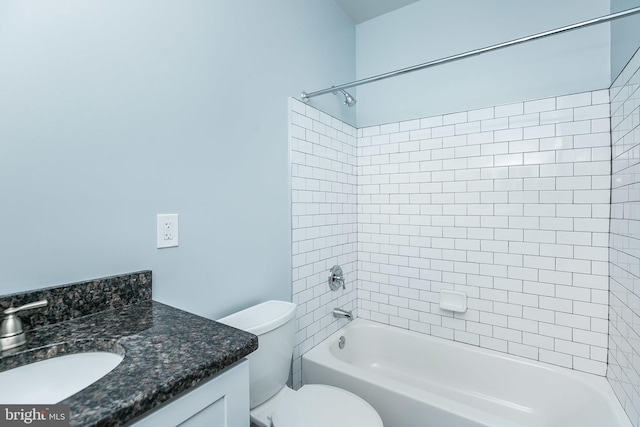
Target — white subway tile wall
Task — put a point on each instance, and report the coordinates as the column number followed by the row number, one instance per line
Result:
column 624, row 312
column 509, row 204
column 324, row 229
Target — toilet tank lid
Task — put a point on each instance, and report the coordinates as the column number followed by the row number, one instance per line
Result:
column 261, row 318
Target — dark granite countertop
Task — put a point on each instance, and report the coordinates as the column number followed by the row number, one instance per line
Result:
column 166, row 352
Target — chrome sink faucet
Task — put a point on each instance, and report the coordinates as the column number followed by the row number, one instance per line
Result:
column 11, row 332
column 339, row 313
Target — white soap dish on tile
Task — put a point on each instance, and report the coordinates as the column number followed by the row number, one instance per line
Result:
column 453, row 301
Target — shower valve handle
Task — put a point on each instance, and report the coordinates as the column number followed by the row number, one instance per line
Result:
column 336, row 278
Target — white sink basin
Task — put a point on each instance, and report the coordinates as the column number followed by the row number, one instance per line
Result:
column 52, row 380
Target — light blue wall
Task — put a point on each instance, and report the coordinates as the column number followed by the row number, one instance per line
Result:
column 625, row 36
column 112, row 111
column 428, row 30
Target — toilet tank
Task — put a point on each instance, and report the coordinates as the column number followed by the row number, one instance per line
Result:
column 274, row 324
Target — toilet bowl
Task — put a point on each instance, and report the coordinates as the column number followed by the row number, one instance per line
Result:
column 273, row 404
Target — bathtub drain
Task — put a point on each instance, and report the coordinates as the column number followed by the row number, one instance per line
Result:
column 341, row 343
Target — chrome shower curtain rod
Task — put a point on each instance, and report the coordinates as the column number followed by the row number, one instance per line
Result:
column 306, row 96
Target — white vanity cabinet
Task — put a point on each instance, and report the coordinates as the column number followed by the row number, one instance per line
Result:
column 222, row 401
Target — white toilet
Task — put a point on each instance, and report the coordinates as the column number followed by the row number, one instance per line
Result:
column 273, row 404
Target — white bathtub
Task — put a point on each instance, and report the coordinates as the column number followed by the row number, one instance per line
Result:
column 415, row 380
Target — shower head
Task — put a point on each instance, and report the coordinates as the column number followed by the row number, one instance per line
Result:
column 349, row 100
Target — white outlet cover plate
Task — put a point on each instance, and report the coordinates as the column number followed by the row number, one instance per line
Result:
column 167, row 235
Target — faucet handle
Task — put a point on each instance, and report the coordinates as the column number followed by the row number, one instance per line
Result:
column 336, row 278
column 37, row 304
column 11, row 331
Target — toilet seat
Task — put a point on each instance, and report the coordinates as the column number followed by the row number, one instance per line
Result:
column 316, row 405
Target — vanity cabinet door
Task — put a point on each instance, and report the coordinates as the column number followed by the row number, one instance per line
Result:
column 222, row 401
